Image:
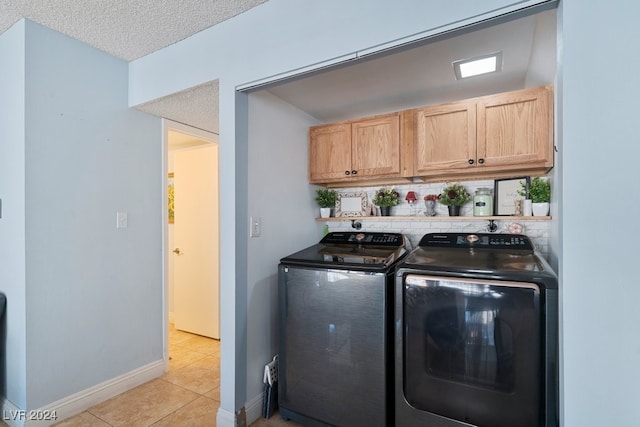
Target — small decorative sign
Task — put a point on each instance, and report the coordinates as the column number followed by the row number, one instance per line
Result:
column 505, row 195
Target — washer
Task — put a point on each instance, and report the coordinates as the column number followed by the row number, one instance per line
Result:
column 476, row 330
column 335, row 322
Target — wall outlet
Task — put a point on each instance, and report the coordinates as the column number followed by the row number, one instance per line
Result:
column 255, row 226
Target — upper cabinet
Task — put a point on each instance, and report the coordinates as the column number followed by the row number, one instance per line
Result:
column 445, row 138
column 487, row 137
column 362, row 149
column 514, row 129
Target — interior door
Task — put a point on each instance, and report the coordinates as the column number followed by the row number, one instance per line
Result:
column 196, row 237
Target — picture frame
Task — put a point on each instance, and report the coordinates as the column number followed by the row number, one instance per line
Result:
column 504, row 194
column 351, row 204
column 170, row 199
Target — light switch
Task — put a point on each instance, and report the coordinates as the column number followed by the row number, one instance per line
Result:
column 255, row 226
column 121, row 220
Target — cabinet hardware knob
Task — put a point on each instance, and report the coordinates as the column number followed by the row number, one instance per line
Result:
column 470, row 161
column 347, row 172
column 354, row 172
column 481, row 161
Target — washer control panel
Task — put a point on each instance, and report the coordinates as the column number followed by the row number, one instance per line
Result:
column 363, row 238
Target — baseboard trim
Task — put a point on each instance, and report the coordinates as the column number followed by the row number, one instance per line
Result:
column 254, row 408
column 225, row 418
column 85, row 399
column 11, row 414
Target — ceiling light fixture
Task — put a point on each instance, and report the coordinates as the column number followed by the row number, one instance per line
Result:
column 479, row 65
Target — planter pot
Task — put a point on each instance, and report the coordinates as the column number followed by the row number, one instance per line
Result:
column 540, row 209
column 454, row 210
column 385, row 210
column 325, row 212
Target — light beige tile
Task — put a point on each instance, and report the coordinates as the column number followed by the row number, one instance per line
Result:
column 214, row 394
column 199, row 413
column 177, row 337
column 143, row 405
column 84, row 419
column 201, row 344
column 182, row 356
column 201, row 376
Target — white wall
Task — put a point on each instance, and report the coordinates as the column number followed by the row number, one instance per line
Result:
column 598, row 268
column 93, row 303
column 12, row 217
column 281, row 197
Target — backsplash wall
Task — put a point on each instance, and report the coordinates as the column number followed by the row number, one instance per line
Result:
column 537, row 230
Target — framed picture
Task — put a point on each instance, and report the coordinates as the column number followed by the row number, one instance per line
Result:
column 505, row 193
column 171, row 205
column 351, row 204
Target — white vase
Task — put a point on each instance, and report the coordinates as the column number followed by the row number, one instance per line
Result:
column 540, row 209
column 325, row 212
column 527, row 209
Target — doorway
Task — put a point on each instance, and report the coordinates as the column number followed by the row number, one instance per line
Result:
column 191, row 288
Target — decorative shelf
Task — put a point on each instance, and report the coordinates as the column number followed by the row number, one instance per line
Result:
column 436, row 218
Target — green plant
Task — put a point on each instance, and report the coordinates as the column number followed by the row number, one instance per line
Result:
column 326, row 198
column 539, row 190
column 454, row 194
column 386, row 196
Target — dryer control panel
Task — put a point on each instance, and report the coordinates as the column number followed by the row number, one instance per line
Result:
column 477, row 240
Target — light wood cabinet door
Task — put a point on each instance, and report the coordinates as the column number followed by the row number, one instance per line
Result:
column 445, row 138
column 515, row 129
column 360, row 149
column 375, row 146
column 329, row 152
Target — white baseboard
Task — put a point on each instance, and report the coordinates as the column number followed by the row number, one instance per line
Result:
column 83, row 400
column 11, row 415
column 254, row 408
column 225, row 418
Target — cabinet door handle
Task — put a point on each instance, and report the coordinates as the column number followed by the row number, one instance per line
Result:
column 470, row 161
column 347, row 172
column 481, row 161
column 354, row 172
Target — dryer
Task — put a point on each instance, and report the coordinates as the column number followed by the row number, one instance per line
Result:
column 476, row 330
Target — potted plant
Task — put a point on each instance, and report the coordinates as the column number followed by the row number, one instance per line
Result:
column 386, row 197
column 540, row 195
column 326, row 199
column 453, row 196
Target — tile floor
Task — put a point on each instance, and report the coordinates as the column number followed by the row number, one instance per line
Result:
column 187, row 395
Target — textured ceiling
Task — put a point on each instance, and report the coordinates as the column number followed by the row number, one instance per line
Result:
column 127, row 29
column 130, row 29
column 197, row 107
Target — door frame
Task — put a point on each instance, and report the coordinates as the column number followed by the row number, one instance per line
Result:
column 212, row 138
